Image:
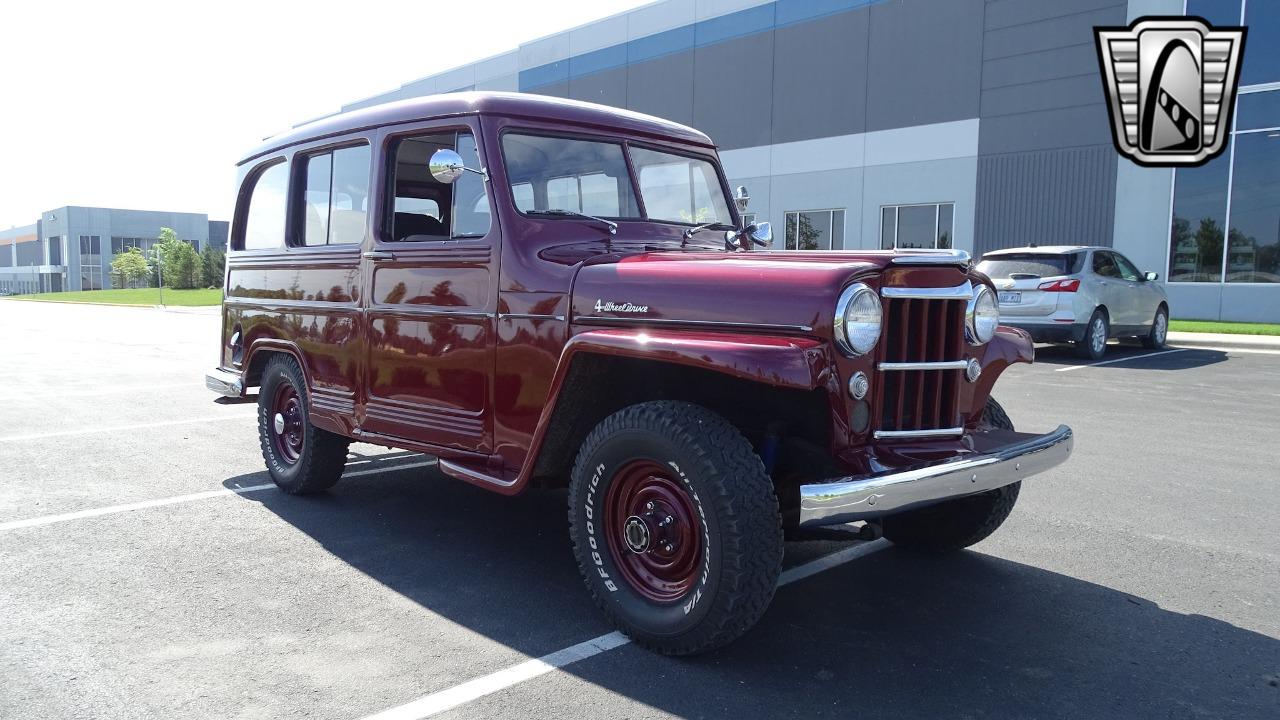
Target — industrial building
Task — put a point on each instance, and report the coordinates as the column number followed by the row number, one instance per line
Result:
column 936, row 123
column 71, row 248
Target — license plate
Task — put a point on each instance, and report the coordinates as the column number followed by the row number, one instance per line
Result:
column 1010, row 298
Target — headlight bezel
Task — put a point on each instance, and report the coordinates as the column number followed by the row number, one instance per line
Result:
column 975, row 326
column 844, row 339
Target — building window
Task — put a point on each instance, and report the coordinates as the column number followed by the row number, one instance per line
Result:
column 90, row 262
column 335, row 198
column 1226, row 213
column 55, row 250
column 815, row 230
column 927, row 225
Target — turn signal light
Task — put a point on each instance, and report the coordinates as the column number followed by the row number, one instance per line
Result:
column 1060, row 286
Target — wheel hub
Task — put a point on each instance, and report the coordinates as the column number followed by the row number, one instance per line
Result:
column 278, row 423
column 287, row 422
column 653, row 531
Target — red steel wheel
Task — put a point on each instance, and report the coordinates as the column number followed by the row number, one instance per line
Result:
column 287, row 416
column 653, row 531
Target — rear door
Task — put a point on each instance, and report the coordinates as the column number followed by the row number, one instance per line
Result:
column 431, row 296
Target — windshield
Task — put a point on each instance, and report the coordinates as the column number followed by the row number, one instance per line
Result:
column 1030, row 264
column 590, row 177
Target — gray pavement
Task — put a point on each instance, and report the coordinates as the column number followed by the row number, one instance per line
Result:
column 1141, row 579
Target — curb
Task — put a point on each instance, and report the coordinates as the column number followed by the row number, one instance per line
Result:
column 1225, row 341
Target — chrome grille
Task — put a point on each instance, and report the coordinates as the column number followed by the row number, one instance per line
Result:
column 922, row 364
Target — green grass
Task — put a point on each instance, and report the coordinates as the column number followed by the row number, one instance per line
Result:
column 138, row 296
column 1230, row 328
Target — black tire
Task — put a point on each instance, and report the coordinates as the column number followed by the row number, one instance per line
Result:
column 1089, row 347
column 733, row 519
column 302, row 458
column 957, row 524
column 1159, row 334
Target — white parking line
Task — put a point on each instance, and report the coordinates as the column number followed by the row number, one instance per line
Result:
column 114, row 509
column 123, row 428
column 450, row 698
column 1069, row 368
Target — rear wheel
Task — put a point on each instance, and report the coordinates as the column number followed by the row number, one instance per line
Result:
column 300, row 457
column 1094, row 343
column 675, row 526
column 1159, row 334
column 957, row 524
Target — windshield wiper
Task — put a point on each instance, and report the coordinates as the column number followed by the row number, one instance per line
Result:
column 688, row 233
column 613, row 226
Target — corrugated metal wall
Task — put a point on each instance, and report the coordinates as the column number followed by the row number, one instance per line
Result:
column 1047, row 197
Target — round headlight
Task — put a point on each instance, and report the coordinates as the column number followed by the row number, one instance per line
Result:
column 983, row 316
column 858, row 317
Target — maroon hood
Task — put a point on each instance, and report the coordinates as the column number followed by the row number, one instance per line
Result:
column 786, row 289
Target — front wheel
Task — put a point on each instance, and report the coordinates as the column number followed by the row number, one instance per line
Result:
column 1159, row 334
column 957, row 524
column 675, row 526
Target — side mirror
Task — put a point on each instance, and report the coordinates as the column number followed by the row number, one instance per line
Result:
column 1151, row 276
column 741, row 198
column 761, row 233
column 446, row 166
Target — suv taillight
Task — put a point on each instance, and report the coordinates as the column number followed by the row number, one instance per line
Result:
column 1060, row 286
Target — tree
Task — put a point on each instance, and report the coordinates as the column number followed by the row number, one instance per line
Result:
column 213, row 263
column 131, row 266
column 179, row 264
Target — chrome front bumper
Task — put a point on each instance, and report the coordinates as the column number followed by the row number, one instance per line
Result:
column 866, row 497
column 224, row 382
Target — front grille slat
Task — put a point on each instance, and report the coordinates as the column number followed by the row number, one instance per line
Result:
column 921, row 330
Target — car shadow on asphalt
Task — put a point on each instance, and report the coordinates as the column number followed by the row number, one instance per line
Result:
column 891, row 634
column 1133, row 357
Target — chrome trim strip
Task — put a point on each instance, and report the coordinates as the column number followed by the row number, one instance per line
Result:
column 529, row 316
column 606, row 320
column 224, row 382
column 861, row 498
column 903, row 434
column 941, row 365
column 963, row 291
column 932, row 257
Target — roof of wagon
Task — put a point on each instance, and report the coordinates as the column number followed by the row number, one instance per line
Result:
column 540, row 107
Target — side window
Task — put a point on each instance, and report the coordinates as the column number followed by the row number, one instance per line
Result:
column 1127, row 270
column 425, row 209
column 1104, row 265
column 264, row 222
column 335, row 198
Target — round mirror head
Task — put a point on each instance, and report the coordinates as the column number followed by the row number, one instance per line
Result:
column 741, row 198
column 446, row 165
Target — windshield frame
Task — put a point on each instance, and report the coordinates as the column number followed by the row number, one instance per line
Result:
column 626, row 143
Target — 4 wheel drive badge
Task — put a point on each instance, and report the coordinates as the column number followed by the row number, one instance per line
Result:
column 1171, row 86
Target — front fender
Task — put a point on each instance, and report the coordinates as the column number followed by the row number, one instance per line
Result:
column 1009, row 346
column 775, row 360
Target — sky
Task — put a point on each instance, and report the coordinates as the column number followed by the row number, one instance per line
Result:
column 148, row 105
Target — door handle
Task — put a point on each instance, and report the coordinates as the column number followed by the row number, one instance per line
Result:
column 378, row 255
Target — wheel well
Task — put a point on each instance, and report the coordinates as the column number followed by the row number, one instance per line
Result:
column 258, row 362
column 598, row 385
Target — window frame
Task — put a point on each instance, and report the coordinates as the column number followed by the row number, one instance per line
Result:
column 295, row 222
column 937, row 222
column 383, row 189
column 831, row 224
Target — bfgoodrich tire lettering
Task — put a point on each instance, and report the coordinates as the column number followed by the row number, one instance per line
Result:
column 957, row 524
column 733, row 509
column 300, row 457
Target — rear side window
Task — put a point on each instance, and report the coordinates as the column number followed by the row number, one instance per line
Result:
column 335, row 198
column 264, row 222
column 1030, row 265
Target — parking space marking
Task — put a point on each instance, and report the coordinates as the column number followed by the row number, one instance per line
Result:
column 1119, row 360
column 1229, row 350
column 458, row 695
column 177, row 499
column 123, row 428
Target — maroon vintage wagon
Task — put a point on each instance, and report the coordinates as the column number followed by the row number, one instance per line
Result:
column 547, row 293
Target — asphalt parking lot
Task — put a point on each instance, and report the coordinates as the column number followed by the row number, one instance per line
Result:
column 146, row 572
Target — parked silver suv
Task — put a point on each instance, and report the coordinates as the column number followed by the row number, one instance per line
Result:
column 1082, row 295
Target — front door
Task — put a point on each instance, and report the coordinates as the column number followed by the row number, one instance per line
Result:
column 431, row 299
